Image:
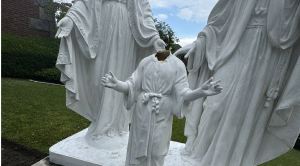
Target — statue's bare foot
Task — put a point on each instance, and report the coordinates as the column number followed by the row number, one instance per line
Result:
column 97, row 137
column 183, row 151
column 111, row 133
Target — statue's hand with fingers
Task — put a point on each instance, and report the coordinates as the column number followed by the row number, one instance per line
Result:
column 187, row 50
column 65, row 27
column 111, row 81
column 210, row 87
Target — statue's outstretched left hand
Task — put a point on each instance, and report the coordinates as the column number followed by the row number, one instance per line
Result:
column 65, row 26
column 187, row 50
column 109, row 80
column 210, row 87
column 159, row 45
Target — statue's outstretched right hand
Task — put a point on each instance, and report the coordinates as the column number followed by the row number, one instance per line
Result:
column 65, row 25
column 188, row 49
column 109, row 80
column 211, row 87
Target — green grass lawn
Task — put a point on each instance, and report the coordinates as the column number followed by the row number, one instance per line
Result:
column 34, row 115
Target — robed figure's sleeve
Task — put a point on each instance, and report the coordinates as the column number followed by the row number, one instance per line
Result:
column 75, row 49
column 85, row 15
column 134, row 83
column 179, row 90
column 283, row 23
column 141, row 22
column 142, row 27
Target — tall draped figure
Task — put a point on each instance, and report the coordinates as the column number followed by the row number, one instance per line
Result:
column 253, row 47
column 108, row 35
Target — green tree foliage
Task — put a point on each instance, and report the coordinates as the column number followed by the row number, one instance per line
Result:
column 59, row 8
column 167, row 35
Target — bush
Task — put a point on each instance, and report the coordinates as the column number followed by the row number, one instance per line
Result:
column 297, row 145
column 49, row 75
column 27, row 57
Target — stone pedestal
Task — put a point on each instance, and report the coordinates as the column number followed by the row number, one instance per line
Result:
column 74, row 151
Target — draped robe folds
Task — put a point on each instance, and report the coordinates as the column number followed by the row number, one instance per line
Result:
column 158, row 91
column 108, row 35
column 253, row 47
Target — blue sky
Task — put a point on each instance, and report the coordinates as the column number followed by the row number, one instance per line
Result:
column 183, row 28
column 186, row 17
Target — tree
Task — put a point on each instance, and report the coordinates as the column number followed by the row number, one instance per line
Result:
column 59, row 8
column 167, row 35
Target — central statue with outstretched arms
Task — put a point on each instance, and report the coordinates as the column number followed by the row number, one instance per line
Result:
column 98, row 36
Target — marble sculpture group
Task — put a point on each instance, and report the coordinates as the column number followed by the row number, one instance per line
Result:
column 252, row 46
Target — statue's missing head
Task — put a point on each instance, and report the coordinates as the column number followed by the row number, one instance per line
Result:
column 162, row 55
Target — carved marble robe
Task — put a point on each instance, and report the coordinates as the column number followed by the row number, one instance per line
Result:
column 158, row 90
column 251, row 46
column 109, row 35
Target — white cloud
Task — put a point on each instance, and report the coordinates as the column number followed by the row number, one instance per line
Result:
column 185, row 14
column 191, row 10
column 185, row 41
column 161, row 17
column 170, row 3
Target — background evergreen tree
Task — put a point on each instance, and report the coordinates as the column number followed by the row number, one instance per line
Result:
column 59, row 8
column 167, row 35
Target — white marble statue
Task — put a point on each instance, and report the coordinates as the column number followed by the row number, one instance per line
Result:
column 160, row 90
column 98, row 36
column 253, row 46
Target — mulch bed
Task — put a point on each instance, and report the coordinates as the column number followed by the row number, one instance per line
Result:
column 13, row 154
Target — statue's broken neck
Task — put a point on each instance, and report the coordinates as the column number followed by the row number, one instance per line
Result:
column 162, row 55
